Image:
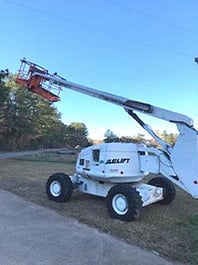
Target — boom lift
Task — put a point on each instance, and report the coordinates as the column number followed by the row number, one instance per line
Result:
column 116, row 170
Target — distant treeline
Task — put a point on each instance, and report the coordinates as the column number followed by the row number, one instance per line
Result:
column 140, row 138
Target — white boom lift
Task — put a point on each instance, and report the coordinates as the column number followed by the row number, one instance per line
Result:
column 116, row 170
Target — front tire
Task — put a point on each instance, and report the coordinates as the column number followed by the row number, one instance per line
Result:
column 124, row 202
column 59, row 187
column 169, row 191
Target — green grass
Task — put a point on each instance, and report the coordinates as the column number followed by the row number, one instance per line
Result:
column 189, row 230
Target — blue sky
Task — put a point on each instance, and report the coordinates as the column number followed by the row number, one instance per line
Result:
column 142, row 50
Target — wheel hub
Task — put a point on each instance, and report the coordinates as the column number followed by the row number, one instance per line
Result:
column 120, row 204
column 55, row 188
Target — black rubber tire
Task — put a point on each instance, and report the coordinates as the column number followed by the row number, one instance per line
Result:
column 169, row 191
column 131, row 197
column 64, row 184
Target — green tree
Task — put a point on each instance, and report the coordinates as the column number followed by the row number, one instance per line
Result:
column 139, row 138
column 27, row 120
column 6, row 112
column 77, row 134
column 54, row 136
column 110, row 137
column 169, row 138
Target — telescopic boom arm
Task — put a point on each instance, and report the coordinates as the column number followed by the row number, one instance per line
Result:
column 40, row 81
column 50, row 82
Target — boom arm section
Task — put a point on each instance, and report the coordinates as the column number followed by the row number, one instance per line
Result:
column 38, row 80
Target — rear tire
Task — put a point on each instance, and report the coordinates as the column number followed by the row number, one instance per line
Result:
column 124, row 202
column 59, row 187
column 169, row 191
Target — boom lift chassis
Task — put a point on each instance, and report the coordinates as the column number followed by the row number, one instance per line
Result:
column 116, row 170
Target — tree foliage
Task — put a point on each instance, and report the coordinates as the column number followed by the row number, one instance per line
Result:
column 110, row 137
column 27, row 121
column 139, row 138
column 168, row 137
column 77, row 134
